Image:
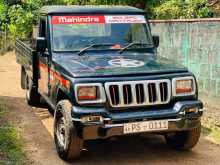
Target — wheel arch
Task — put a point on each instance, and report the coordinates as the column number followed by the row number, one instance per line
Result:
column 61, row 95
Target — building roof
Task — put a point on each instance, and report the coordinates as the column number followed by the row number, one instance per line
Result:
column 90, row 10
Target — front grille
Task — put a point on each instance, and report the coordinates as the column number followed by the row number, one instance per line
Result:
column 138, row 93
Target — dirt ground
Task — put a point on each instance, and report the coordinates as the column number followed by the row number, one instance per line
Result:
column 36, row 127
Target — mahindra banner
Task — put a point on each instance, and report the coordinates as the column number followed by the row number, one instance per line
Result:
column 98, row 19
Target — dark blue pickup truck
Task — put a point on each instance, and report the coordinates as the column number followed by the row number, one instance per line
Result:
column 98, row 70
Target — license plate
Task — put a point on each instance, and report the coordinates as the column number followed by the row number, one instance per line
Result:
column 145, row 126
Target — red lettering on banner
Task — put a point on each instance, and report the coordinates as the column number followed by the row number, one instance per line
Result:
column 109, row 19
column 77, row 19
column 125, row 19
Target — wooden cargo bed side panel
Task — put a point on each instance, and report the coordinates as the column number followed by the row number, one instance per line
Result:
column 27, row 57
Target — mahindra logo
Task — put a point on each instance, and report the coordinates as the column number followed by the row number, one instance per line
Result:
column 77, row 20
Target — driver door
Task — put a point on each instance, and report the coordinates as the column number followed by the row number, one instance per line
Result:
column 44, row 71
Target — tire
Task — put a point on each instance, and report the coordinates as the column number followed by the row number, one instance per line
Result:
column 184, row 140
column 22, row 78
column 68, row 144
column 32, row 95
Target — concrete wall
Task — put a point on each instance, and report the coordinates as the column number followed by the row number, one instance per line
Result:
column 195, row 44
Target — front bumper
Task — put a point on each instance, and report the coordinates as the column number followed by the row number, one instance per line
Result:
column 109, row 130
column 178, row 119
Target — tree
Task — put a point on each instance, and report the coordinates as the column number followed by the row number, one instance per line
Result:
column 20, row 15
column 174, row 9
column 2, row 16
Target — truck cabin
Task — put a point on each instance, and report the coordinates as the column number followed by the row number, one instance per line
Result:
column 72, row 29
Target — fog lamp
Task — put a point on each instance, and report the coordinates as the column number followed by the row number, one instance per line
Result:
column 192, row 110
column 92, row 119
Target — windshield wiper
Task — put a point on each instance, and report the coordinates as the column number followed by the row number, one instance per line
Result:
column 93, row 46
column 132, row 44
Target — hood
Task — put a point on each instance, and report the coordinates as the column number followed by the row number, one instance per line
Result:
column 111, row 65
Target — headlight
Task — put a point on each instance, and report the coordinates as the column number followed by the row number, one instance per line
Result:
column 87, row 93
column 184, row 86
column 90, row 93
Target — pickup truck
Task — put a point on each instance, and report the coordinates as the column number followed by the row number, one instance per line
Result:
column 98, row 70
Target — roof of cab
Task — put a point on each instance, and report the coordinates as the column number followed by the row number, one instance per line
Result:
column 90, row 10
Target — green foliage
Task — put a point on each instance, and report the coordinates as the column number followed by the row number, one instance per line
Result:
column 20, row 15
column 169, row 9
column 20, row 21
column 198, row 9
column 3, row 109
column 174, row 9
column 10, row 143
column 10, row 146
column 2, row 16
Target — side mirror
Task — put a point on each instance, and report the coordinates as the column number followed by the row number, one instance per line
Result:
column 156, row 41
column 41, row 44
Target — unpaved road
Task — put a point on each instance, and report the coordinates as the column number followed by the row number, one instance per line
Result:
column 35, row 126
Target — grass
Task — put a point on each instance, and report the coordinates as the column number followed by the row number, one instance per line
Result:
column 3, row 109
column 11, row 149
column 212, row 133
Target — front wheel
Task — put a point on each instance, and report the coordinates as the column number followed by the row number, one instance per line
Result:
column 67, row 141
column 184, row 140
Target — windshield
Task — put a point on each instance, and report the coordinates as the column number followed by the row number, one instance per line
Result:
column 73, row 33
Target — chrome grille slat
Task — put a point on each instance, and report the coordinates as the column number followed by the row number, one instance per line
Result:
column 146, row 93
column 158, row 92
column 155, row 92
column 134, row 97
column 121, row 96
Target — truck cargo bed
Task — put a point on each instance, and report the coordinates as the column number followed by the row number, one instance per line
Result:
column 27, row 58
